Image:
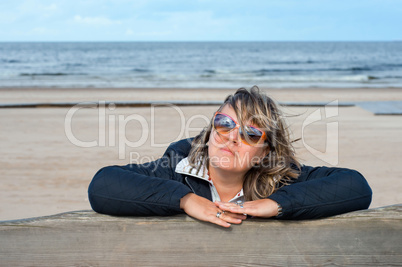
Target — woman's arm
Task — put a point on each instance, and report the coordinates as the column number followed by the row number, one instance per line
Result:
column 148, row 189
column 323, row 191
column 318, row 192
column 118, row 191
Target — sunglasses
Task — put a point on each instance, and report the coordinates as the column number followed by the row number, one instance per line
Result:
column 224, row 124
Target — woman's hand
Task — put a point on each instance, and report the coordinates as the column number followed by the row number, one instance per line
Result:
column 205, row 210
column 264, row 208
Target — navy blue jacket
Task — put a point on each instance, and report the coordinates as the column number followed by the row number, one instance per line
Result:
column 155, row 188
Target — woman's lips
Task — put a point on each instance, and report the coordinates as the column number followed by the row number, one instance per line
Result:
column 227, row 150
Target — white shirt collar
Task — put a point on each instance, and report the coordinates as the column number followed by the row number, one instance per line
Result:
column 184, row 167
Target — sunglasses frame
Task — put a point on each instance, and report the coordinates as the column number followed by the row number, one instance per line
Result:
column 263, row 136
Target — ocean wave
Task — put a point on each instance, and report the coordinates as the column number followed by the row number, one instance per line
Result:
column 210, row 71
column 200, row 64
column 140, row 70
column 218, row 72
column 294, row 62
column 264, row 71
column 288, row 77
column 392, row 77
column 392, row 65
column 50, row 74
column 269, row 72
column 73, row 65
column 10, row 61
column 331, row 79
column 329, row 69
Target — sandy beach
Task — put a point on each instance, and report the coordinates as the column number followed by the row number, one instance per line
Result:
column 49, row 155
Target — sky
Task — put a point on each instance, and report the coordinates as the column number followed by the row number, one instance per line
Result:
column 200, row 20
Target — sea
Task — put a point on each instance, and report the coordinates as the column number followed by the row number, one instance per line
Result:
column 201, row 64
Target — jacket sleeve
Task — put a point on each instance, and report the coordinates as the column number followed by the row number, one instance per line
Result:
column 323, row 191
column 147, row 189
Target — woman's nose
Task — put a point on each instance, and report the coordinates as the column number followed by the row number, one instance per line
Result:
column 234, row 135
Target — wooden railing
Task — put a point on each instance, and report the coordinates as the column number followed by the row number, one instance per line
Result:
column 84, row 238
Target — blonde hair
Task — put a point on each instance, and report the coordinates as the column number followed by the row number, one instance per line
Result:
column 279, row 166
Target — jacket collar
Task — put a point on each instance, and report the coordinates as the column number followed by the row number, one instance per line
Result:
column 184, row 168
column 198, row 182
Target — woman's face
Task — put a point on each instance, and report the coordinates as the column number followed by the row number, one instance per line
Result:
column 228, row 152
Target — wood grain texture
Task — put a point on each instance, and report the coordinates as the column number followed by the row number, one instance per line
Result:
column 85, row 238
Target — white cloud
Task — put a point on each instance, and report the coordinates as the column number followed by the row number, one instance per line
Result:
column 154, row 34
column 186, row 25
column 97, row 21
column 51, row 7
column 40, row 30
column 199, row 20
column 35, row 9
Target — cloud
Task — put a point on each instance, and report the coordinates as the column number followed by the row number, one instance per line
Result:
column 40, row 30
column 182, row 26
column 199, row 20
column 96, row 21
column 51, row 7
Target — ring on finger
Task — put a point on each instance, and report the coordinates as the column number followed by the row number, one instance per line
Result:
column 218, row 214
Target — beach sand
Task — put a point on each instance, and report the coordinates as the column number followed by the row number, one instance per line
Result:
column 43, row 169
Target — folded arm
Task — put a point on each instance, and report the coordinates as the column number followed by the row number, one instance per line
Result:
column 318, row 192
column 147, row 189
column 323, row 191
column 118, row 191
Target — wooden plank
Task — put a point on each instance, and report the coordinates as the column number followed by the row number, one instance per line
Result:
column 85, row 238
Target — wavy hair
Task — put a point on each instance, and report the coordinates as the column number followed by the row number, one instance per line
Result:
column 279, row 166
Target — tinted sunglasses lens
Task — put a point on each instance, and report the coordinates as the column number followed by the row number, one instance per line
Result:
column 254, row 135
column 223, row 124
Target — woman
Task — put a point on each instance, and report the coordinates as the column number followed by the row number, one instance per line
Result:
column 242, row 164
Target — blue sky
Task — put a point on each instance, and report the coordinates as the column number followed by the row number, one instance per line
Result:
column 202, row 20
